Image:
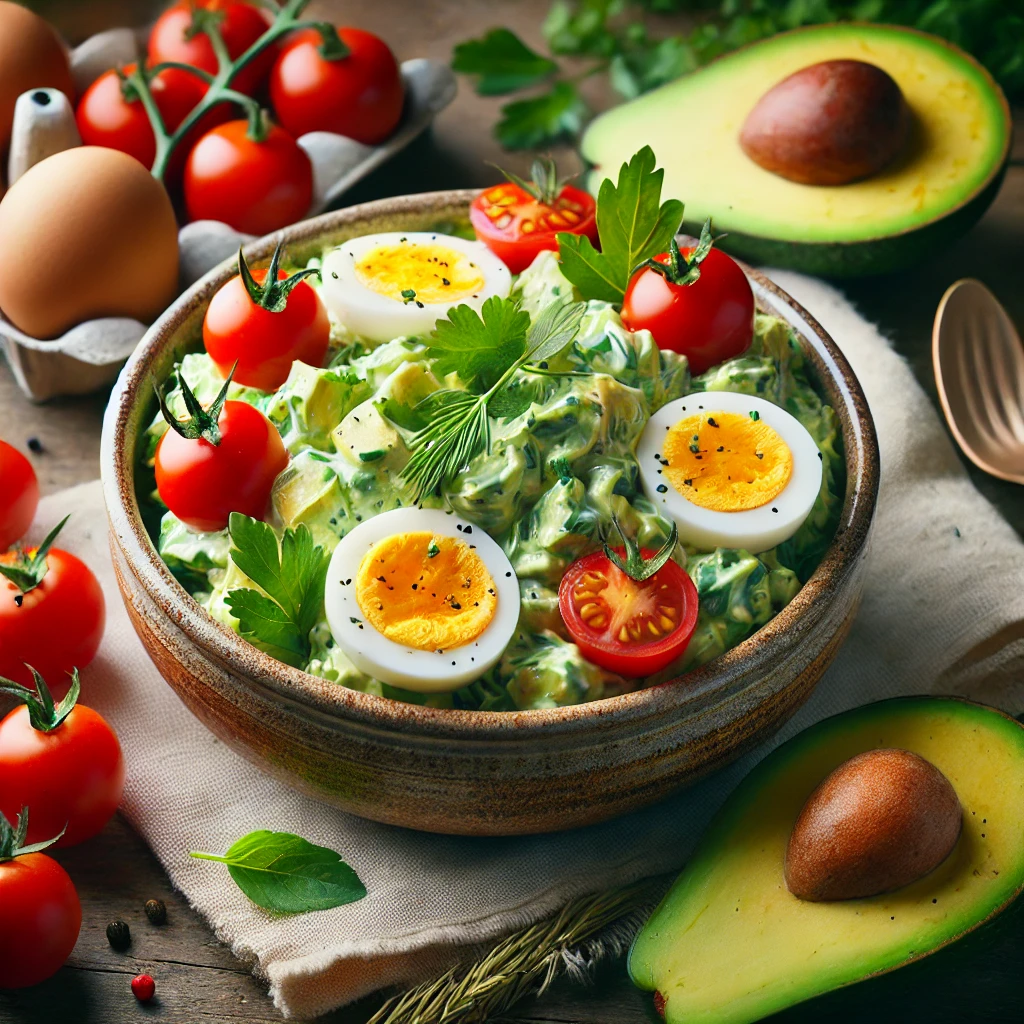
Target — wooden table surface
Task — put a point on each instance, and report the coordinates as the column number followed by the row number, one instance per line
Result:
column 198, row 979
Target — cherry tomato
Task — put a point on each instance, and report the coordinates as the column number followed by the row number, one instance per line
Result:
column 70, row 774
column 255, row 187
column 240, row 26
column 708, row 321
column 203, row 483
column 516, row 226
column 19, row 495
column 241, row 328
column 40, row 917
column 106, row 118
column 56, row 626
column 359, row 95
column 634, row 629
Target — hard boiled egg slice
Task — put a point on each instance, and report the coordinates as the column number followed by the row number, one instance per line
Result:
column 420, row 598
column 732, row 471
column 393, row 284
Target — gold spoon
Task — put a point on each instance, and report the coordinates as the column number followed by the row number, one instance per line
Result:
column 979, row 371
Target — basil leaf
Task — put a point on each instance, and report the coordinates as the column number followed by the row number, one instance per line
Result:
column 287, row 874
column 634, row 225
column 542, row 119
column 503, row 62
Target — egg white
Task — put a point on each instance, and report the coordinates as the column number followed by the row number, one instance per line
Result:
column 381, row 318
column 756, row 529
column 381, row 658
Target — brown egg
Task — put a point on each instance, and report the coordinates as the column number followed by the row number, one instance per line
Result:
column 880, row 821
column 828, row 124
column 86, row 233
column 32, row 56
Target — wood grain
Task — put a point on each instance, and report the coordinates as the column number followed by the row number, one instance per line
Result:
column 198, row 979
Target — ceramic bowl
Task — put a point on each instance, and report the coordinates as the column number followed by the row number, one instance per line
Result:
column 467, row 772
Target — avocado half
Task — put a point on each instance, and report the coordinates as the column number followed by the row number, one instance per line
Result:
column 948, row 174
column 730, row 944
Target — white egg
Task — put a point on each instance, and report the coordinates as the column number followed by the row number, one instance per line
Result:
column 398, row 284
column 421, row 599
column 730, row 470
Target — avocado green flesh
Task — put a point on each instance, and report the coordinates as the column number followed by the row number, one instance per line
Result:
column 959, row 144
column 730, row 944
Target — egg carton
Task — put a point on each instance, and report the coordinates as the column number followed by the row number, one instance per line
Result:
column 89, row 356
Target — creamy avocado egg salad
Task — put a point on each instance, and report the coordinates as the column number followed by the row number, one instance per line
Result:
column 493, row 494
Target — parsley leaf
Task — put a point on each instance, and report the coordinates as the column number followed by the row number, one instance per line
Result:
column 542, row 119
column 634, row 225
column 480, row 348
column 503, row 62
column 292, row 576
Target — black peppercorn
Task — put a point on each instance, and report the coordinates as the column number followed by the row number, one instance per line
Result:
column 119, row 935
column 156, row 911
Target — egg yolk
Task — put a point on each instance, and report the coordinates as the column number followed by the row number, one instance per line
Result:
column 726, row 461
column 427, row 274
column 427, row 592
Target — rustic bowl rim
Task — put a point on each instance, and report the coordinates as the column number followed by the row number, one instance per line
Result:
column 720, row 678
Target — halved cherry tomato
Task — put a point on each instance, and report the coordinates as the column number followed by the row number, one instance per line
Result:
column 241, row 24
column 64, row 763
column 516, row 225
column 229, row 467
column 254, row 186
column 19, row 495
column 55, row 625
column 40, row 916
column 359, row 95
column 634, row 629
column 708, row 321
column 107, row 118
column 244, row 327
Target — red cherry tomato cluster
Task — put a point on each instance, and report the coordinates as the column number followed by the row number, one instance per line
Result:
column 248, row 172
column 61, row 767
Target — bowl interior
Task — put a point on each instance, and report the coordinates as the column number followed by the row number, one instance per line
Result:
column 179, row 330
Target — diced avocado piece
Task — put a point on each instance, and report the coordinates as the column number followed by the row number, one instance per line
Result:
column 941, row 184
column 365, row 437
column 730, row 944
column 308, row 492
column 311, row 401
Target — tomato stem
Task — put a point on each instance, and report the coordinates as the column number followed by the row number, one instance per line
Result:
column 681, row 270
column 27, row 571
column 201, row 423
column 12, row 837
column 545, row 185
column 43, row 715
column 273, row 294
column 286, row 20
column 634, row 565
column 331, row 47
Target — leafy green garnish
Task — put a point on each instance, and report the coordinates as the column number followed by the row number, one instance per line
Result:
column 480, row 348
column 287, row 874
column 502, row 61
column 457, row 423
column 633, row 224
column 292, row 576
column 549, row 117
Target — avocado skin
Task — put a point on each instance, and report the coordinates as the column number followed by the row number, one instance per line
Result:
column 934, row 989
column 969, row 973
column 860, row 259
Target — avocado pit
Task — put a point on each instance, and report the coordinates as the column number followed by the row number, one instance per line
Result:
column 880, row 821
column 831, row 123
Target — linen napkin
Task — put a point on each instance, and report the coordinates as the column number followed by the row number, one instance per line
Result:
column 943, row 612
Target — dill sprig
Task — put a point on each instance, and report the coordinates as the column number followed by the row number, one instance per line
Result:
column 458, row 422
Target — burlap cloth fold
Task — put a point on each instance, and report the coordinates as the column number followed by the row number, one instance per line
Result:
column 943, row 612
